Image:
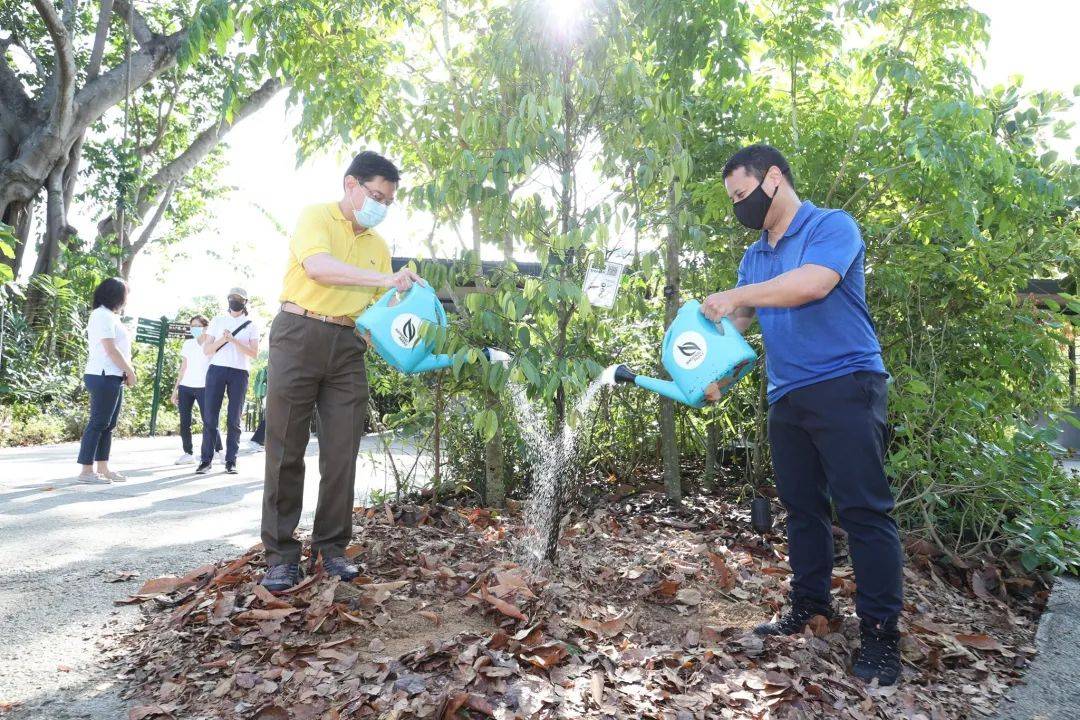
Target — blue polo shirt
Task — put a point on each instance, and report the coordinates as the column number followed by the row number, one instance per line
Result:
column 825, row 338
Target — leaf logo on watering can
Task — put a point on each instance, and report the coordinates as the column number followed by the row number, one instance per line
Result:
column 405, row 330
column 689, row 350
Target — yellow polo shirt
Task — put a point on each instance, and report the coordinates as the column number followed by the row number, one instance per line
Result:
column 323, row 229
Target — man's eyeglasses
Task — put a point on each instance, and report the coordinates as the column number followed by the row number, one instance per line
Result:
column 377, row 196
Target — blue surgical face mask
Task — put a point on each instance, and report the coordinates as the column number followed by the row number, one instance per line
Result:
column 371, row 214
column 196, row 332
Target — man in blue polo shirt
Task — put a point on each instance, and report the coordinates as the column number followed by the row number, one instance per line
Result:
column 803, row 280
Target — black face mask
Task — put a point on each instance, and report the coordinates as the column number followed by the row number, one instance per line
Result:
column 237, row 305
column 753, row 208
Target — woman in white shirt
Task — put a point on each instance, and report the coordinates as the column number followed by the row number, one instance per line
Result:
column 108, row 370
column 233, row 340
column 190, row 385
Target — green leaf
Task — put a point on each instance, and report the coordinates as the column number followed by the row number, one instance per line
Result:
column 918, row 387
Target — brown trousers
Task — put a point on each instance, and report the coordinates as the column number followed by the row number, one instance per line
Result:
column 312, row 365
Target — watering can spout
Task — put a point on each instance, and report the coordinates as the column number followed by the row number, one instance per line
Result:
column 617, row 374
column 667, row 388
column 622, row 374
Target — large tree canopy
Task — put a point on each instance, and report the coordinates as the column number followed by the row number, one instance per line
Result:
column 147, row 93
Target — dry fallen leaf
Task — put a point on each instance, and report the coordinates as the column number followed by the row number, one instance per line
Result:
column 118, row 576
column 272, row 712
column 502, row 606
column 689, row 596
column 667, row 588
column 596, row 686
column 819, row 625
column 260, row 615
column 979, row 642
column 268, row 598
column 723, row 572
column 546, row 656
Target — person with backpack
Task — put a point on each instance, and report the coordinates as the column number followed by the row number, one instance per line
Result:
column 803, row 280
column 232, row 341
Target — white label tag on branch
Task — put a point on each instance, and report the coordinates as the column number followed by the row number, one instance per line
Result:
column 602, row 284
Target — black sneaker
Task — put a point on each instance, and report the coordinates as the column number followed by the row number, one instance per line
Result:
column 281, row 577
column 204, row 467
column 230, row 468
column 340, row 566
column 879, row 653
column 795, row 619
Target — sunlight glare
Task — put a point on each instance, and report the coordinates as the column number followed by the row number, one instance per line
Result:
column 565, row 14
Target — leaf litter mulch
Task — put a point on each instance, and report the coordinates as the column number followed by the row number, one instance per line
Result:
column 646, row 615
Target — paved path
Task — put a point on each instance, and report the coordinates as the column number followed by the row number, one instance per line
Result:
column 60, row 541
column 1051, row 689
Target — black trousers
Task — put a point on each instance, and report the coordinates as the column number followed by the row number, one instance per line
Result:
column 219, row 381
column 186, row 398
column 259, row 436
column 828, row 443
column 106, row 396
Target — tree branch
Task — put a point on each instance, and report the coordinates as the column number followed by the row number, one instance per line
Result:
column 65, row 64
column 181, row 165
column 16, row 110
column 162, row 123
column 139, row 27
column 38, row 65
column 107, row 89
column 144, row 236
column 93, row 67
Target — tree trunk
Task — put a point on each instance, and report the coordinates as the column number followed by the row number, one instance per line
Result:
column 669, row 446
column 19, row 215
column 56, row 232
column 477, row 242
column 494, row 461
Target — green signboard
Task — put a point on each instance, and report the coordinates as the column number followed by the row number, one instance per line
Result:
column 155, row 332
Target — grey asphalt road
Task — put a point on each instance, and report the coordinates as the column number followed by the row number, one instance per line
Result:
column 60, row 542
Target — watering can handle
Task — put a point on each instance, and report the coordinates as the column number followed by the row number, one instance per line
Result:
column 388, row 297
column 718, row 323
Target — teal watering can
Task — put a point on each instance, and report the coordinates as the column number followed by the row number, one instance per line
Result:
column 394, row 324
column 696, row 353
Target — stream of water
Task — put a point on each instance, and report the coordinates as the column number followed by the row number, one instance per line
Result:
column 552, row 455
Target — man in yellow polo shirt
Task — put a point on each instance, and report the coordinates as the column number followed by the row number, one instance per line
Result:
column 337, row 265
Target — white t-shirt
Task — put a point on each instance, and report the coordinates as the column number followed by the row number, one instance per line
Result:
column 104, row 324
column 197, row 362
column 229, row 355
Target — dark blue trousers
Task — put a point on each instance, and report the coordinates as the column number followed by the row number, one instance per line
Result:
column 187, row 398
column 106, row 396
column 219, row 382
column 828, row 443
